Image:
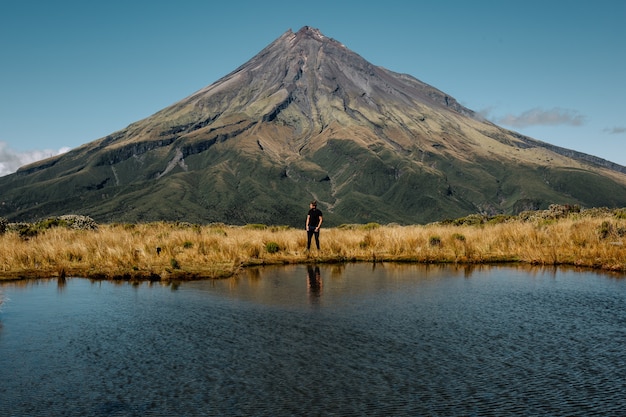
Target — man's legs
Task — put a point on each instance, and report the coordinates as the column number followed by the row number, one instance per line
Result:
column 309, row 235
column 317, row 239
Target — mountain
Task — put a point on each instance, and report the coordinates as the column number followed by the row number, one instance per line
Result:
column 307, row 118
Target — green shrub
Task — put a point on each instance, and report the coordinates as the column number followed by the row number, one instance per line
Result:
column 255, row 226
column 174, row 263
column 605, row 229
column 608, row 229
column 470, row 220
column 50, row 223
column 620, row 213
column 559, row 211
column 434, row 241
column 25, row 230
column 499, row 218
column 272, row 247
column 459, row 237
column 370, row 226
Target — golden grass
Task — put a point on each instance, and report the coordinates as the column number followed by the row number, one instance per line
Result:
column 213, row 251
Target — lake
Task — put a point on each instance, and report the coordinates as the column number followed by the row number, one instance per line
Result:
column 331, row 340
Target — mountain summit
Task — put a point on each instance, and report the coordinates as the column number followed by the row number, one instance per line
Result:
column 307, row 118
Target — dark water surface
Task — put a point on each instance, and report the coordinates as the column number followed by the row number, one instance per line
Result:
column 407, row 340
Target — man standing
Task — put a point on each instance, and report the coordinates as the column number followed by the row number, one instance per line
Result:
column 313, row 224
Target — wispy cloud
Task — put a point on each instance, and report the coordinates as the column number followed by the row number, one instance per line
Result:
column 541, row 117
column 11, row 160
column 618, row 130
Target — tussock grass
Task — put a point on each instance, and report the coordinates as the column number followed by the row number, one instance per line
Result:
column 163, row 251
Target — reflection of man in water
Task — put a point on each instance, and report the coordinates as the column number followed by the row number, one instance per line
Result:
column 314, row 280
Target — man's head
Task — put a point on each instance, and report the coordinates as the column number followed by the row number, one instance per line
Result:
column 313, row 204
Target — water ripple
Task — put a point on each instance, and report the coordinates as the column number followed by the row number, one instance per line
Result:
column 390, row 341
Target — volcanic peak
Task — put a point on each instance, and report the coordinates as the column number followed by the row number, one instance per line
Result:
column 307, row 118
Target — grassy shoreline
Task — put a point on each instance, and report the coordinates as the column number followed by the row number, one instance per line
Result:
column 162, row 251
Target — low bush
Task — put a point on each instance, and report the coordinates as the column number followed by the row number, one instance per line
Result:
column 434, row 241
column 272, row 247
column 255, row 226
column 459, row 237
column 174, row 263
column 608, row 229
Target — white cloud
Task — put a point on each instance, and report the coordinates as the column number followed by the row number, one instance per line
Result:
column 11, row 160
column 485, row 114
column 541, row 117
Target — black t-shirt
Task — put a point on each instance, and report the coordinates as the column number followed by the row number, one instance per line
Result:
column 314, row 218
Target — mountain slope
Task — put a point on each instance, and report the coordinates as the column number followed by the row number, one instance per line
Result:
column 304, row 119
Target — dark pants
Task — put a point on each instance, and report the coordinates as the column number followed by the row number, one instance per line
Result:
column 309, row 234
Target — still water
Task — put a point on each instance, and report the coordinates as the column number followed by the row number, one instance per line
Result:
column 398, row 340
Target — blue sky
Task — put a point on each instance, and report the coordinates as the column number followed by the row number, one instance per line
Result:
column 75, row 71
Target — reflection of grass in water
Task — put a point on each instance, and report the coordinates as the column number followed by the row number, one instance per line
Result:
column 172, row 251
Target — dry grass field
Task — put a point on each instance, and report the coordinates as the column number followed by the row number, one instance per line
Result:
column 165, row 251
